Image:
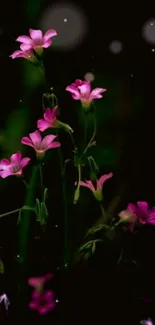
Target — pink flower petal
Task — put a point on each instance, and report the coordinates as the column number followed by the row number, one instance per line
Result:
column 17, row 54
column 143, row 206
column 96, row 93
column 24, row 162
column 54, row 145
column 103, row 179
column 35, row 282
column 74, row 91
column 16, row 158
column 24, row 39
column 35, row 138
column 27, row 141
column 48, row 116
column 36, row 34
column 132, row 207
column 88, row 184
column 85, row 89
column 43, row 125
column 49, row 34
column 25, row 47
column 4, row 163
column 47, row 44
column 33, row 305
column 76, row 96
column 5, row 173
column 47, row 140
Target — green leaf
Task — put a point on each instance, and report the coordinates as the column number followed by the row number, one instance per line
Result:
column 25, row 207
column 96, row 229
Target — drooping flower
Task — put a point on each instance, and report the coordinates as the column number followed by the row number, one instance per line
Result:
column 97, row 192
column 14, row 166
column 5, row 299
column 40, row 145
column 39, row 282
column 37, row 41
column 138, row 214
column 43, row 302
column 50, row 121
column 25, row 52
column 81, row 90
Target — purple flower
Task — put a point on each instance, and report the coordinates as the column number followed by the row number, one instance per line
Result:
column 81, row 90
column 14, row 166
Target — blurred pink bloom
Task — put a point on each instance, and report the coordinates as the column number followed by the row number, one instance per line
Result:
column 39, row 282
column 49, row 120
column 6, row 300
column 146, row 322
column 43, row 302
column 25, row 53
column 14, row 166
column 98, row 191
column 81, row 90
column 37, row 40
column 40, row 145
column 140, row 214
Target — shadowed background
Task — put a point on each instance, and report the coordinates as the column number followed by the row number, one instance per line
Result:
column 113, row 42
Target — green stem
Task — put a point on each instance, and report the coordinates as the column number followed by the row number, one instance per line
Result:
column 77, row 191
column 92, row 138
column 11, row 212
column 103, row 214
column 64, row 193
column 41, row 180
column 85, row 131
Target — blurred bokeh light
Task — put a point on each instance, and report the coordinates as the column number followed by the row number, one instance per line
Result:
column 70, row 23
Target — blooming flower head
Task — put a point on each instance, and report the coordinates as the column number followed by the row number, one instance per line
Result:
column 139, row 213
column 14, row 166
column 37, row 41
column 97, row 192
column 39, row 282
column 42, row 302
column 40, row 145
column 24, row 53
column 50, row 121
column 81, row 90
column 5, row 299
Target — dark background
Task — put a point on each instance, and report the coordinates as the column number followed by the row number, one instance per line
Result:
column 94, row 292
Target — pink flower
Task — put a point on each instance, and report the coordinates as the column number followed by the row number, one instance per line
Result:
column 81, row 90
column 98, row 191
column 37, row 40
column 43, row 302
column 24, row 53
column 14, row 166
column 40, row 145
column 140, row 214
column 49, row 120
column 39, row 282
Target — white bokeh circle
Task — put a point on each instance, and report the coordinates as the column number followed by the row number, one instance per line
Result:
column 70, row 23
column 148, row 31
column 115, row 47
column 89, row 76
